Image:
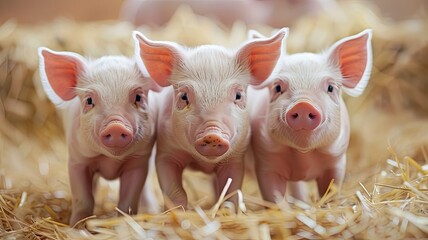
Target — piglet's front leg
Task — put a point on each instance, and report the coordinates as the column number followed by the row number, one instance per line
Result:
column 81, row 183
column 234, row 169
column 131, row 183
column 337, row 174
column 271, row 184
column 170, row 176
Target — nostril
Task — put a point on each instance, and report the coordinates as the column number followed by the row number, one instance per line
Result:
column 212, row 145
column 303, row 115
column 116, row 135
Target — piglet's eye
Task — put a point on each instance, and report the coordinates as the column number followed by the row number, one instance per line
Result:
column 278, row 88
column 89, row 101
column 185, row 98
column 330, row 88
column 88, row 104
column 140, row 101
column 137, row 98
column 238, row 96
column 182, row 100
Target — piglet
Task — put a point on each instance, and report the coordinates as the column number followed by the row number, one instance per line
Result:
column 109, row 124
column 203, row 121
column 300, row 124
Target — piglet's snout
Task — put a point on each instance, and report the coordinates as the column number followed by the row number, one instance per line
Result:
column 212, row 143
column 116, row 135
column 303, row 116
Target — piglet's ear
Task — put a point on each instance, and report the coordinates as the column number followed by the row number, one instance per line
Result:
column 261, row 55
column 59, row 72
column 353, row 55
column 155, row 59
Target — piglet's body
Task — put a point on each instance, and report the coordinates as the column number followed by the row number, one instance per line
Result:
column 300, row 123
column 110, row 127
column 203, row 119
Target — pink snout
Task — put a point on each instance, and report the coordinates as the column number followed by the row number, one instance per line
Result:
column 303, row 116
column 116, row 135
column 212, row 145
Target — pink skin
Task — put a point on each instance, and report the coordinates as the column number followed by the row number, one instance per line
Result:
column 300, row 124
column 116, row 135
column 110, row 128
column 303, row 116
column 212, row 144
column 174, row 154
column 204, row 120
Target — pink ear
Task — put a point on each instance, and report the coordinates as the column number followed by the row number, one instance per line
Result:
column 353, row 55
column 156, row 59
column 262, row 54
column 59, row 73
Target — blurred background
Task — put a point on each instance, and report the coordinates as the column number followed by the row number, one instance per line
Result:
column 390, row 120
column 157, row 12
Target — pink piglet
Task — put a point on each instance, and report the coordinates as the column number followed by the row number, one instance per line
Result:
column 300, row 124
column 109, row 122
column 203, row 120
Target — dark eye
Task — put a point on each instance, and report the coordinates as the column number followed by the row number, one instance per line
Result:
column 185, row 98
column 330, row 88
column 137, row 98
column 238, row 96
column 278, row 89
column 89, row 101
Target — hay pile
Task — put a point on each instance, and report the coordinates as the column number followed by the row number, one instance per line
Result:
column 385, row 193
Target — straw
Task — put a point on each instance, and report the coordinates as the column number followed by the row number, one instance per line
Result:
column 384, row 195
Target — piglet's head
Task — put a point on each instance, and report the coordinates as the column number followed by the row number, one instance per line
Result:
column 110, row 96
column 305, row 109
column 210, row 83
